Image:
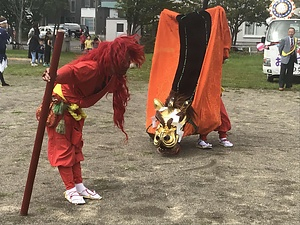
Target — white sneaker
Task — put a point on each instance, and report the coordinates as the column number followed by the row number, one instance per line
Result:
column 203, row 145
column 225, row 142
column 86, row 193
column 74, row 197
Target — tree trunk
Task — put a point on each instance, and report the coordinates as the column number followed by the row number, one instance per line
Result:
column 20, row 23
column 19, row 18
column 129, row 28
column 19, row 40
column 235, row 31
column 235, row 38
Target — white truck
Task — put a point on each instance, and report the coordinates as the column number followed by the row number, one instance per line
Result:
column 277, row 30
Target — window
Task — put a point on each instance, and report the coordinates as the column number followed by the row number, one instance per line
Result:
column 89, row 22
column 93, row 3
column 279, row 28
column 72, row 6
column 249, row 29
column 87, row 3
column 120, row 27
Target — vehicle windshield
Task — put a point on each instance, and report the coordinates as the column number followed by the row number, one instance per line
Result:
column 279, row 29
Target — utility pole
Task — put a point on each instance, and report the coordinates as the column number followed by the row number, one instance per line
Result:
column 97, row 6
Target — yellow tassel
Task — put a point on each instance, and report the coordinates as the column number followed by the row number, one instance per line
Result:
column 60, row 128
column 76, row 116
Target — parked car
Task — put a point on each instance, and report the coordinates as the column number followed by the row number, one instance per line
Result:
column 73, row 28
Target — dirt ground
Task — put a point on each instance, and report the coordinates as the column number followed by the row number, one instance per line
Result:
column 255, row 182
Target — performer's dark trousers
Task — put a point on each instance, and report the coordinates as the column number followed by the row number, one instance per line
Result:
column 2, row 78
column 286, row 73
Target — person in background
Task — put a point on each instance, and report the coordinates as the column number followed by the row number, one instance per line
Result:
column 80, row 84
column 288, row 52
column 88, row 44
column 4, row 39
column 96, row 42
column 48, row 47
column 41, row 52
column 34, row 30
column 10, row 31
column 82, row 39
column 86, row 31
column 33, row 46
column 222, row 130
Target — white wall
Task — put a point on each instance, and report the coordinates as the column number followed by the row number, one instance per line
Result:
column 111, row 28
column 113, row 13
column 88, row 12
column 250, row 39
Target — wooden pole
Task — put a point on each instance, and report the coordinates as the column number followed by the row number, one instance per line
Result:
column 42, row 124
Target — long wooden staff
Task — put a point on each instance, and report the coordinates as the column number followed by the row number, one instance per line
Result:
column 42, row 123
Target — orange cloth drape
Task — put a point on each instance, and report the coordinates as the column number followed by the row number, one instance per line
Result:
column 165, row 61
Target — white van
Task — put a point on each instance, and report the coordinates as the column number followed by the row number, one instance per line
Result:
column 276, row 31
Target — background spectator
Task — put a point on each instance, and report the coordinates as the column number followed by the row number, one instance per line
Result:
column 33, row 46
column 33, row 31
column 82, row 39
column 96, row 42
column 4, row 38
column 41, row 51
column 88, row 43
column 48, row 47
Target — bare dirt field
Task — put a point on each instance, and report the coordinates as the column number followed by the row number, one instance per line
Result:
column 255, row 182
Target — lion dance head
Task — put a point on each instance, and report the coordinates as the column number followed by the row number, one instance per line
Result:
column 169, row 121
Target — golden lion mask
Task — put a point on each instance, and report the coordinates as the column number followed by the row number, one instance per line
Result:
column 168, row 122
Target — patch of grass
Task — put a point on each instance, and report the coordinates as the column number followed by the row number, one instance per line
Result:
column 239, row 71
column 18, row 112
column 17, row 53
column 245, row 71
column 141, row 74
column 2, row 195
column 130, row 168
column 23, row 68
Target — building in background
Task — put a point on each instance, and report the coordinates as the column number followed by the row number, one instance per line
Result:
column 115, row 27
column 100, row 16
column 250, row 35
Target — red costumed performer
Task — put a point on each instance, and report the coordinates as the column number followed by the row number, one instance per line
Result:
column 80, row 84
column 222, row 131
column 186, row 73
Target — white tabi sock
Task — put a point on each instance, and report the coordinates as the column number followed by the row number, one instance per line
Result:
column 80, row 187
column 71, row 190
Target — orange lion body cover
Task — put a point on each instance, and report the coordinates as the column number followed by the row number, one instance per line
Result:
column 169, row 57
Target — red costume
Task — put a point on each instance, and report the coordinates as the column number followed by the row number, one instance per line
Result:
column 82, row 39
column 225, row 124
column 80, row 84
